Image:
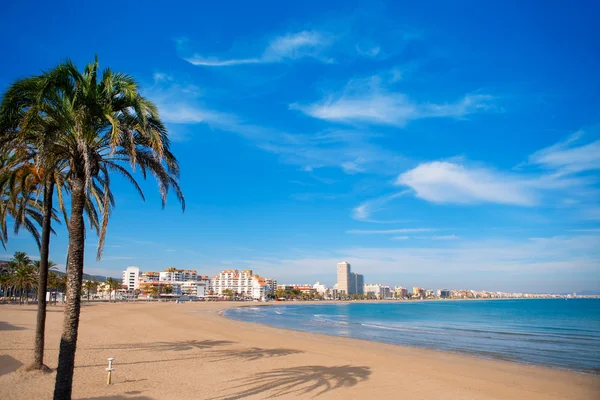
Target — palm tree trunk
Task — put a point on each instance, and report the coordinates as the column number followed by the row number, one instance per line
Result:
column 40, row 328
column 68, row 341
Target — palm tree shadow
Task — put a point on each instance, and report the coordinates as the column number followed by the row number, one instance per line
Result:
column 307, row 380
column 250, row 354
column 9, row 364
column 118, row 398
column 166, row 346
column 5, row 326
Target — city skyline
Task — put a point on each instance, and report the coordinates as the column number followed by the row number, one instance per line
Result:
column 390, row 135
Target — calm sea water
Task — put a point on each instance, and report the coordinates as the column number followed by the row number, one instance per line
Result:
column 554, row 332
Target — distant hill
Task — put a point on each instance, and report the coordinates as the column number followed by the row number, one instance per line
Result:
column 86, row 277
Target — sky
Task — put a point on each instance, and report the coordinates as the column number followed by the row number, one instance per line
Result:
column 432, row 143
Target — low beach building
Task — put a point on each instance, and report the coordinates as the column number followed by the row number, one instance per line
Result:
column 401, row 292
column 194, row 289
column 321, row 289
column 377, row 290
column 418, row 293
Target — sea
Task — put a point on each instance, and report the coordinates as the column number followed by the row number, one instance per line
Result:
column 558, row 333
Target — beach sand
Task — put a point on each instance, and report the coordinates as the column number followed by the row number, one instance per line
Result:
column 189, row 351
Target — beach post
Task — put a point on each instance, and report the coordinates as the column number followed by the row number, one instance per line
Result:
column 110, row 369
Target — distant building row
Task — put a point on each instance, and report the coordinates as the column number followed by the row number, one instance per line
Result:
column 185, row 282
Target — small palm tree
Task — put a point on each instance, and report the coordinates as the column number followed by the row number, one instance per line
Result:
column 23, row 277
column 110, row 282
column 153, row 291
column 5, row 284
column 89, row 286
column 53, row 283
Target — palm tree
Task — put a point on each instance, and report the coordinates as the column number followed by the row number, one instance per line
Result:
column 111, row 283
column 17, row 202
column 89, row 286
column 32, row 170
column 23, row 276
column 53, row 283
column 228, row 293
column 100, row 124
column 153, row 291
column 5, row 283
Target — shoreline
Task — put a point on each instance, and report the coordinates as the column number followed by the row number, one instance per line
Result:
column 192, row 351
column 474, row 355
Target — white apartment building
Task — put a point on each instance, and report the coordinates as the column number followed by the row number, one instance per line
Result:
column 343, row 277
column 377, row 290
column 272, row 283
column 347, row 281
column 146, row 277
column 131, row 278
column 176, row 278
column 177, row 275
column 243, row 283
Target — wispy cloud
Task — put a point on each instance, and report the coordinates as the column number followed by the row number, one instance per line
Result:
column 567, row 157
column 388, row 231
column 352, row 151
column 400, row 238
column 445, row 237
column 440, row 237
column 364, row 211
column 370, row 101
column 291, row 46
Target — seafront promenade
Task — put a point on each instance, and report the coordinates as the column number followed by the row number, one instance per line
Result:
column 189, row 351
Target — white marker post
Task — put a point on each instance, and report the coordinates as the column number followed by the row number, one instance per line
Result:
column 110, row 369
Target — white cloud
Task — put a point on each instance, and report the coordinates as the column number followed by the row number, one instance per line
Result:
column 445, row 182
column 364, row 211
column 400, row 238
column 445, row 237
column 215, row 62
column 292, row 46
column 565, row 157
column 366, row 100
column 388, row 231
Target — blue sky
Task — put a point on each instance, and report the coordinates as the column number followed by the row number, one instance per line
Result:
column 440, row 144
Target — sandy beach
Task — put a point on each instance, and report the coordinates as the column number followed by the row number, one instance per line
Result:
column 189, row 351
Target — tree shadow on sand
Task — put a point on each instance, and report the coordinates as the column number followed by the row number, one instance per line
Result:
column 9, row 364
column 313, row 380
column 250, row 354
column 5, row 326
column 118, row 398
column 185, row 345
